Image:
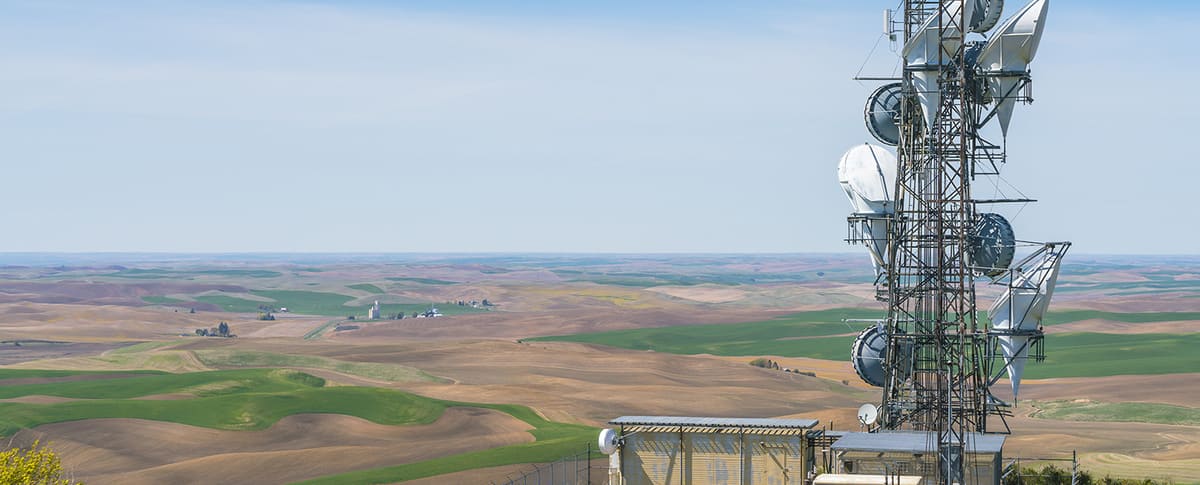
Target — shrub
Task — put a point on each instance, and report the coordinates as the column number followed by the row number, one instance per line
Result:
column 37, row 464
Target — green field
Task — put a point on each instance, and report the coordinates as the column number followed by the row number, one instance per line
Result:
column 808, row 334
column 6, row 373
column 1133, row 412
column 161, row 300
column 644, row 279
column 370, row 370
column 1067, row 316
column 553, row 441
column 812, row 334
column 157, row 273
column 320, row 303
column 254, row 399
column 1104, row 354
column 423, row 281
column 367, row 287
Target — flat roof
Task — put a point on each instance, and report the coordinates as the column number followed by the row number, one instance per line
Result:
column 714, row 422
column 913, row 441
column 835, row 479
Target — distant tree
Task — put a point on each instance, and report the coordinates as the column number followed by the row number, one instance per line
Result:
column 37, row 464
column 351, row 317
column 223, row 329
column 193, row 310
column 486, row 302
column 266, row 316
column 203, row 332
column 414, row 315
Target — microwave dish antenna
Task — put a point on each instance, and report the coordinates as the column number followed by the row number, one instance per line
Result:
column 992, row 245
column 609, row 441
column 882, row 114
column 986, row 15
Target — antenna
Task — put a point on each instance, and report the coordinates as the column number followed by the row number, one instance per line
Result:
column 867, row 174
column 609, row 441
column 985, row 15
column 1006, row 57
column 868, row 414
column 992, row 245
column 882, row 114
column 933, row 354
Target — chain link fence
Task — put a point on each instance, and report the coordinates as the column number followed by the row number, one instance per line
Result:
column 587, row 467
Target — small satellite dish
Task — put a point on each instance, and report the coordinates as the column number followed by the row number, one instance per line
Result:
column 867, row 414
column 609, row 441
column 883, row 114
column 992, row 244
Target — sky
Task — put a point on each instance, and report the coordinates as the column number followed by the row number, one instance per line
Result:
column 539, row 126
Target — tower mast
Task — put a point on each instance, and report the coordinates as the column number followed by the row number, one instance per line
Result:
column 937, row 380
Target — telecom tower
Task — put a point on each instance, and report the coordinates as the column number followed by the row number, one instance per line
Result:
column 930, row 239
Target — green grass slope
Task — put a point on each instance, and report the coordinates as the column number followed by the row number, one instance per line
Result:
column 813, row 334
column 255, row 399
column 552, row 441
column 367, row 287
column 1133, row 412
column 807, row 334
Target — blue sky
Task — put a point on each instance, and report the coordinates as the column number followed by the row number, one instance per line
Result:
column 542, row 126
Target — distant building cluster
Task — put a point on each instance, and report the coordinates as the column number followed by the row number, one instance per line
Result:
column 474, row 303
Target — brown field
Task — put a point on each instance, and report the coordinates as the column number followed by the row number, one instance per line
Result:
column 297, row 447
column 481, row 359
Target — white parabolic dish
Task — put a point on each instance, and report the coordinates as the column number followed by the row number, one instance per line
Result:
column 867, row 414
column 609, row 440
column 868, row 174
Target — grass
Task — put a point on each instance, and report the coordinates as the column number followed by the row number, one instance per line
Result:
column 143, row 347
column 552, row 441
column 808, row 334
column 1104, row 354
column 242, row 358
column 812, row 334
column 1067, row 316
column 239, row 400
column 6, row 373
column 367, row 287
column 423, row 281
column 1135, row 412
column 157, row 273
column 259, row 380
column 320, row 303
column 161, row 300
column 320, row 330
column 232, row 303
column 255, row 399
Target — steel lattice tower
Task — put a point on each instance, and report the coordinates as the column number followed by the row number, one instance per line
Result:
column 937, row 377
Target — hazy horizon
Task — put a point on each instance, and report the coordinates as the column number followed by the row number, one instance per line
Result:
column 623, row 127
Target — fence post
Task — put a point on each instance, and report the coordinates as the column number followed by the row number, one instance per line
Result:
column 588, row 459
column 1074, row 467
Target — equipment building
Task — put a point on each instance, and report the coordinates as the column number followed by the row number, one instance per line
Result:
column 915, row 453
column 662, row 450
